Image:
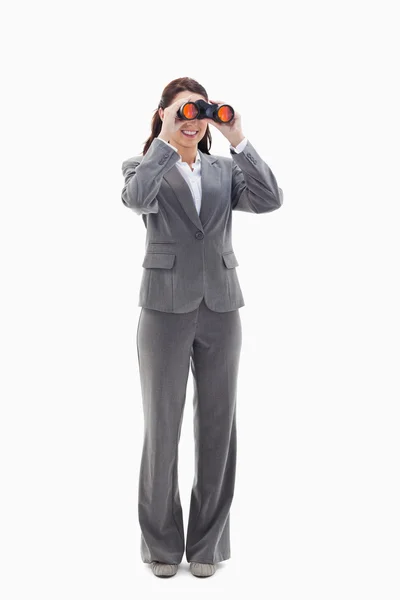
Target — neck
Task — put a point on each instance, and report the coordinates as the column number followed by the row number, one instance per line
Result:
column 188, row 155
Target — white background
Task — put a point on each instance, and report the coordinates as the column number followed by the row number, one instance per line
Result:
column 316, row 507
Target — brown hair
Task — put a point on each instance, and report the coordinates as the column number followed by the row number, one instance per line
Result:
column 182, row 84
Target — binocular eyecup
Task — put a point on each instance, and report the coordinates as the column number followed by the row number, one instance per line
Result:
column 203, row 110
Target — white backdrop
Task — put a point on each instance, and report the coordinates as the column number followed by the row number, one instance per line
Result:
column 315, row 513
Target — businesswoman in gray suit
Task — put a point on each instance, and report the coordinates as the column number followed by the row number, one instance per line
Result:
column 190, row 298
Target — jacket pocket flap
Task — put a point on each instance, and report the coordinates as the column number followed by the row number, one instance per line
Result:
column 230, row 260
column 158, row 260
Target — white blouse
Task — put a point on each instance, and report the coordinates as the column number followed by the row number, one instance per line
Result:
column 193, row 178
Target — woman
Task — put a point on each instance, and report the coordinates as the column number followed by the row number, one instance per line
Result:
column 190, row 298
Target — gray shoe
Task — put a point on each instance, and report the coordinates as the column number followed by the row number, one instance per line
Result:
column 163, row 569
column 202, row 569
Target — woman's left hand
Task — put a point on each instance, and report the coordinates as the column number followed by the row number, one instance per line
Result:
column 233, row 130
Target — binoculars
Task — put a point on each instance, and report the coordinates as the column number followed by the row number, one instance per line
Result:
column 203, row 110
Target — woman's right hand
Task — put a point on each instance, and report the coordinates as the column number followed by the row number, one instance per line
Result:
column 171, row 123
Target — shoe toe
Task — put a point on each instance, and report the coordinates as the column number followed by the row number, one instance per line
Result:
column 202, row 569
column 163, row 569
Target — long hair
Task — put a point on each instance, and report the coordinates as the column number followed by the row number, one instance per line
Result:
column 182, row 84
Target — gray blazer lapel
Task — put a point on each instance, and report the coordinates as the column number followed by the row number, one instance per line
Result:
column 183, row 194
column 210, row 185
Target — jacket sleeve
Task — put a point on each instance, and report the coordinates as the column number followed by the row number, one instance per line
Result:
column 254, row 187
column 143, row 178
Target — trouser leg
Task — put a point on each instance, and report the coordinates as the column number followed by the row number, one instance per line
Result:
column 214, row 362
column 164, row 342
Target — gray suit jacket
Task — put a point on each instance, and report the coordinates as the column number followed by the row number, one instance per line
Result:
column 190, row 256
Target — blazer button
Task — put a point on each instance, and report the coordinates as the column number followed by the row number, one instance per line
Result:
column 199, row 235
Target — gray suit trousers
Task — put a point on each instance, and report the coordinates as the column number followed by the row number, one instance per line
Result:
column 167, row 344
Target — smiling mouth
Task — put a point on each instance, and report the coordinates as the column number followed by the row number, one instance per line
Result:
column 189, row 132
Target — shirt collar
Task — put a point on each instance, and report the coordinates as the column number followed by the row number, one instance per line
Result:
column 197, row 161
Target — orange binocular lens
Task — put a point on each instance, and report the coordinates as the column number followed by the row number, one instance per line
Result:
column 225, row 113
column 190, row 110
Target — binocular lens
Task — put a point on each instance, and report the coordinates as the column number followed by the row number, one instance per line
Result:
column 225, row 114
column 190, row 110
column 203, row 110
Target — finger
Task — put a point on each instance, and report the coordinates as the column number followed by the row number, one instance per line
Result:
column 182, row 101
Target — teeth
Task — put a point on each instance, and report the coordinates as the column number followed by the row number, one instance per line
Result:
column 189, row 132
